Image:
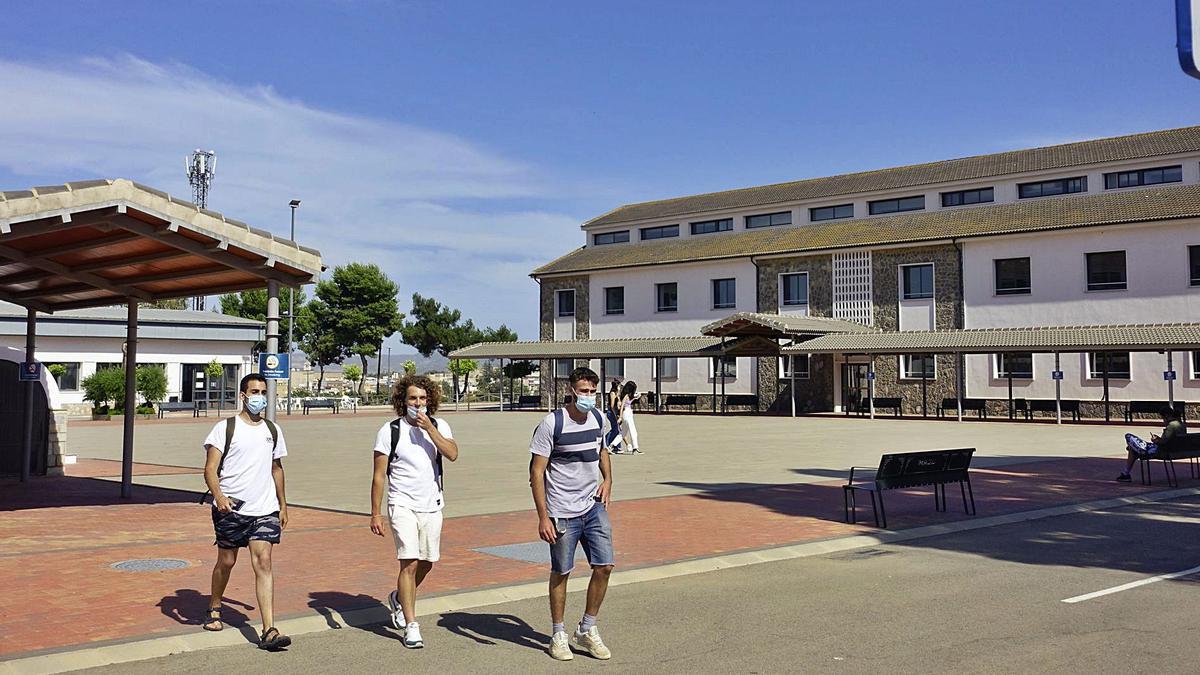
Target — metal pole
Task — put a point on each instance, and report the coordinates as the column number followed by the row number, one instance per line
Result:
column 1008, row 367
column 1107, row 410
column 1057, row 391
column 603, row 386
column 1170, row 383
column 130, row 400
column 292, row 316
column 958, row 384
column 791, row 361
column 27, row 440
column 723, row 409
column 272, row 343
column 924, row 387
column 871, row 385
column 657, row 385
column 716, row 364
column 378, row 368
column 501, row 387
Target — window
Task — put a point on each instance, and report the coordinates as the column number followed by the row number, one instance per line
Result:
column 1047, row 188
column 614, row 300
column 1018, row 364
column 918, row 281
column 666, row 297
column 965, row 197
column 797, row 361
column 660, row 232
column 913, row 365
column 1106, row 271
column 563, row 368
column 769, row 219
column 670, row 368
column 724, row 366
column 1012, row 276
column 831, row 212
column 1194, row 264
column 1162, row 174
column 709, row 226
column 1118, row 365
column 1195, row 365
column 724, row 293
column 793, row 289
column 69, row 380
column 611, row 238
column 896, row 205
column 614, row 368
column 109, row 364
column 566, row 303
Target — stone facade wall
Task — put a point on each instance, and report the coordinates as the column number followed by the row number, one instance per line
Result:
column 546, row 327
column 814, row 394
column 57, row 443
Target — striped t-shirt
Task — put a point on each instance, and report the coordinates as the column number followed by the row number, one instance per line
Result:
column 573, row 475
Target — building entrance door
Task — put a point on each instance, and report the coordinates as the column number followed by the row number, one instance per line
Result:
column 854, row 386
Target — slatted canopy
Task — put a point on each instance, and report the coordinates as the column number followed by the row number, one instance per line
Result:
column 1130, row 337
column 591, row 349
column 745, row 324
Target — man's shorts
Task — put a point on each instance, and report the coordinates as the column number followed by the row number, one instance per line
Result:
column 418, row 535
column 1139, row 446
column 235, row 530
column 592, row 529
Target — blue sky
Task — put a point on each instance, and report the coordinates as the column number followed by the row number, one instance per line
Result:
column 460, row 144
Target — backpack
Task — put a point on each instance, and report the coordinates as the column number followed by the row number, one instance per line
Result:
column 560, row 420
column 395, row 426
column 230, row 426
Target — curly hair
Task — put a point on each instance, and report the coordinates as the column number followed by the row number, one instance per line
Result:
column 400, row 392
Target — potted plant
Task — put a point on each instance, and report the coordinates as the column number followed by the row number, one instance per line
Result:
column 152, row 386
column 215, row 372
column 101, row 388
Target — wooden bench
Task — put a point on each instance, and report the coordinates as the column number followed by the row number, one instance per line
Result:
column 527, row 400
column 180, row 406
column 900, row 470
column 311, row 403
column 1151, row 407
column 742, row 401
column 1186, row 446
column 978, row 405
column 1069, row 406
column 680, row 400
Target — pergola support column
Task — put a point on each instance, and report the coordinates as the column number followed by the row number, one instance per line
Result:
column 602, row 390
column 501, row 384
column 721, row 363
column 1171, row 381
column 871, row 384
column 272, row 342
column 1057, row 390
column 130, row 400
column 657, row 385
column 30, row 388
column 1107, row 407
column 791, row 361
column 958, row 383
column 925, row 387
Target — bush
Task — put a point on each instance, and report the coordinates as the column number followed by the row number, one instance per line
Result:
column 104, row 386
column 152, row 383
column 57, row 370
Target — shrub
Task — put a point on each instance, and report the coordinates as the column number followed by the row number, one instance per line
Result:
column 104, row 386
column 152, row 383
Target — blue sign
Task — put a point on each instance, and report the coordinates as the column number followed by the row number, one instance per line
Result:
column 273, row 366
column 870, row 375
column 1169, row 375
column 1057, row 374
column 31, row 372
column 1187, row 13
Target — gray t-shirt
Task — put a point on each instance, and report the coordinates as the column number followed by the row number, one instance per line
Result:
column 573, row 474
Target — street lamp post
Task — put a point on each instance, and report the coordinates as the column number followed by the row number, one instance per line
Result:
column 291, row 312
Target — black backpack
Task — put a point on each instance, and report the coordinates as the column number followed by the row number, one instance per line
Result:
column 230, row 426
column 395, row 425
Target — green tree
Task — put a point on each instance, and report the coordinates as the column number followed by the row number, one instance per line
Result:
column 105, row 386
column 152, row 383
column 463, row 368
column 57, row 370
column 177, row 303
column 410, row 367
column 362, row 304
column 438, row 328
column 252, row 304
column 353, row 373
column 317, row 338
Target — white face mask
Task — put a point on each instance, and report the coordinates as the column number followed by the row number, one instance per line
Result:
column 412, row 412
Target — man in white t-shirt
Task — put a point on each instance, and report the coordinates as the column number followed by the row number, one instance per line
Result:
column 408, row 461
column 244, row 472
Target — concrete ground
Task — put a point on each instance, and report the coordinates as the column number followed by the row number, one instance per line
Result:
column 329, row 463
column 987, row 600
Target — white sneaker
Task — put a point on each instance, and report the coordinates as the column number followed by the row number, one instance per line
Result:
column 412, row 636
column 397, row 612
column 591, row 643
column 559, row 649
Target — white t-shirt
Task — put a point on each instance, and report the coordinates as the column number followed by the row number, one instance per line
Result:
column 246, row 474
column 413, row 482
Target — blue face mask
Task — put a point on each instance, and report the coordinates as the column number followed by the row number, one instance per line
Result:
column 256, row 404
column 585, row 403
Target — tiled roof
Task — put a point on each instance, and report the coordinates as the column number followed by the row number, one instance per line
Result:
column 620, row 347
column 1134, row 337
column 1120, row 148
column 1051, row 213
column 782, row 323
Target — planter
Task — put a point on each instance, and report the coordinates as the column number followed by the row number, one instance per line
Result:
column 97, row 417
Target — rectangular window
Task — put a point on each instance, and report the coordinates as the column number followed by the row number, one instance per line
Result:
column 1195, row 365
column 614, row 300
column 1012, row 276
column 1106, row 271
column 611, row 238
column 69, row 379
column 1048, row 188
column 666, row 297
column 724, row 293
column 1194, row 264
column 793, row 289
column 614, row 368
column 831, row 212
column 710, row 226
column 566, row 303
column 1019, row 363
column 670, row 368
column 883, row 206
column 724, row 366
column 1162, row 174
column 1118, row 365
column 965, row 197
column 563, row 368
column 797, row 361
column 769, row 219
column 918, row 281
column 660, row 232
column 912, row 365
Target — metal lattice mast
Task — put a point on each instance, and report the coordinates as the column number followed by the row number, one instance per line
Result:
column 201, row 168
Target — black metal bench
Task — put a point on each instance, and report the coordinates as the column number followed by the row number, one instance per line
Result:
column 978, row 405
column 528, row 399
column 680, row 400
column 1186, row 446
column 742, row 401
column 1069, row 406
column 180, row 406
column 901, row 470
column 311, row 403
column 892, row 403
column 1152, row 408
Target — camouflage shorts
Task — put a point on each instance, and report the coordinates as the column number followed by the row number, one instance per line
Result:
column 235, row 530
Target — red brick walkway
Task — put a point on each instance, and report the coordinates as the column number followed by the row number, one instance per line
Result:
column 60, row 536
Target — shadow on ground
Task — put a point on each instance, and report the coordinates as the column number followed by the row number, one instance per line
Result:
column 57, row 491
column 490, row 629
column 190, row 608
column 326, row 603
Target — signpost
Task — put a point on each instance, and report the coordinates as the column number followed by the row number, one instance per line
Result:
column 273, row 366
column 30, row 371
column 1187, row 14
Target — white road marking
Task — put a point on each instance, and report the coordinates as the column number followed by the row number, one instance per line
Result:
column 1132, row 584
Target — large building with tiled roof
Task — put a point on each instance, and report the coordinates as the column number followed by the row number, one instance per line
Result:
column 1097, row 232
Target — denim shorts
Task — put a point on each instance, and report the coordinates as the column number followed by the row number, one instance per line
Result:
column 592, row 529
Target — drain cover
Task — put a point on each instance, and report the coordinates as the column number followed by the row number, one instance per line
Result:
column 149, row 565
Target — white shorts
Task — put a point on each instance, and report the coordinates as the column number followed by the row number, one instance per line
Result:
column 418, row 535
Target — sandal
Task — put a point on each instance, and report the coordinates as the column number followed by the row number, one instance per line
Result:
column 213, row 622
column 272, row 640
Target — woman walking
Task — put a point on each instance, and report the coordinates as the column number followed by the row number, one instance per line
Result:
column 613, row 440
column 628, row 395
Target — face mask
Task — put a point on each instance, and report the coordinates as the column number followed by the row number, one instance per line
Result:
column 256, row 404
column 585, row 403
column 412, row 412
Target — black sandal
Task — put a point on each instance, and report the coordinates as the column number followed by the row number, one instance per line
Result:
column 214, row 617
column 272, row 640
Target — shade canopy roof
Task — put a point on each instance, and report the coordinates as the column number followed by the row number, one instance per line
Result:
column 105, row 242
column 779, row 326
column 584, row 349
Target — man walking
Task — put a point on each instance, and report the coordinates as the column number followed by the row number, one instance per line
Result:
column 408, row 460
column 571, row 479
column 244, row 472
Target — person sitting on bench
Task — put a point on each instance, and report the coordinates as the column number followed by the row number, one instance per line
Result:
column 1138, row 448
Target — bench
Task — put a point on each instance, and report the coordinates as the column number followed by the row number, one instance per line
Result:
column 1069, row 406
column 900, row 470
column 742, row 401
column 1150, row 407
column 645, row 398
column 527, row 399
column 1186, row 446
column 311, row 403
column 679, row 400
column 892, row 403
column 979, row 405
column 180, row 406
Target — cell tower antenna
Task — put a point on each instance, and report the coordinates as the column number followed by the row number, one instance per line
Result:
column 201, row 168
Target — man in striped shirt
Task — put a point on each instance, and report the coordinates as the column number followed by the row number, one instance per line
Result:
column 571, row 478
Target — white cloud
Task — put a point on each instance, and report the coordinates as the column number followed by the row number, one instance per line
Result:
column 372, row 189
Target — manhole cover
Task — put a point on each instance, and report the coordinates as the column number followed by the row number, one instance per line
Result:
column 863, row 554
column 149, row 565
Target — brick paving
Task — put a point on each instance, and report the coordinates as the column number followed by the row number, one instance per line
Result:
column 61, row 535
